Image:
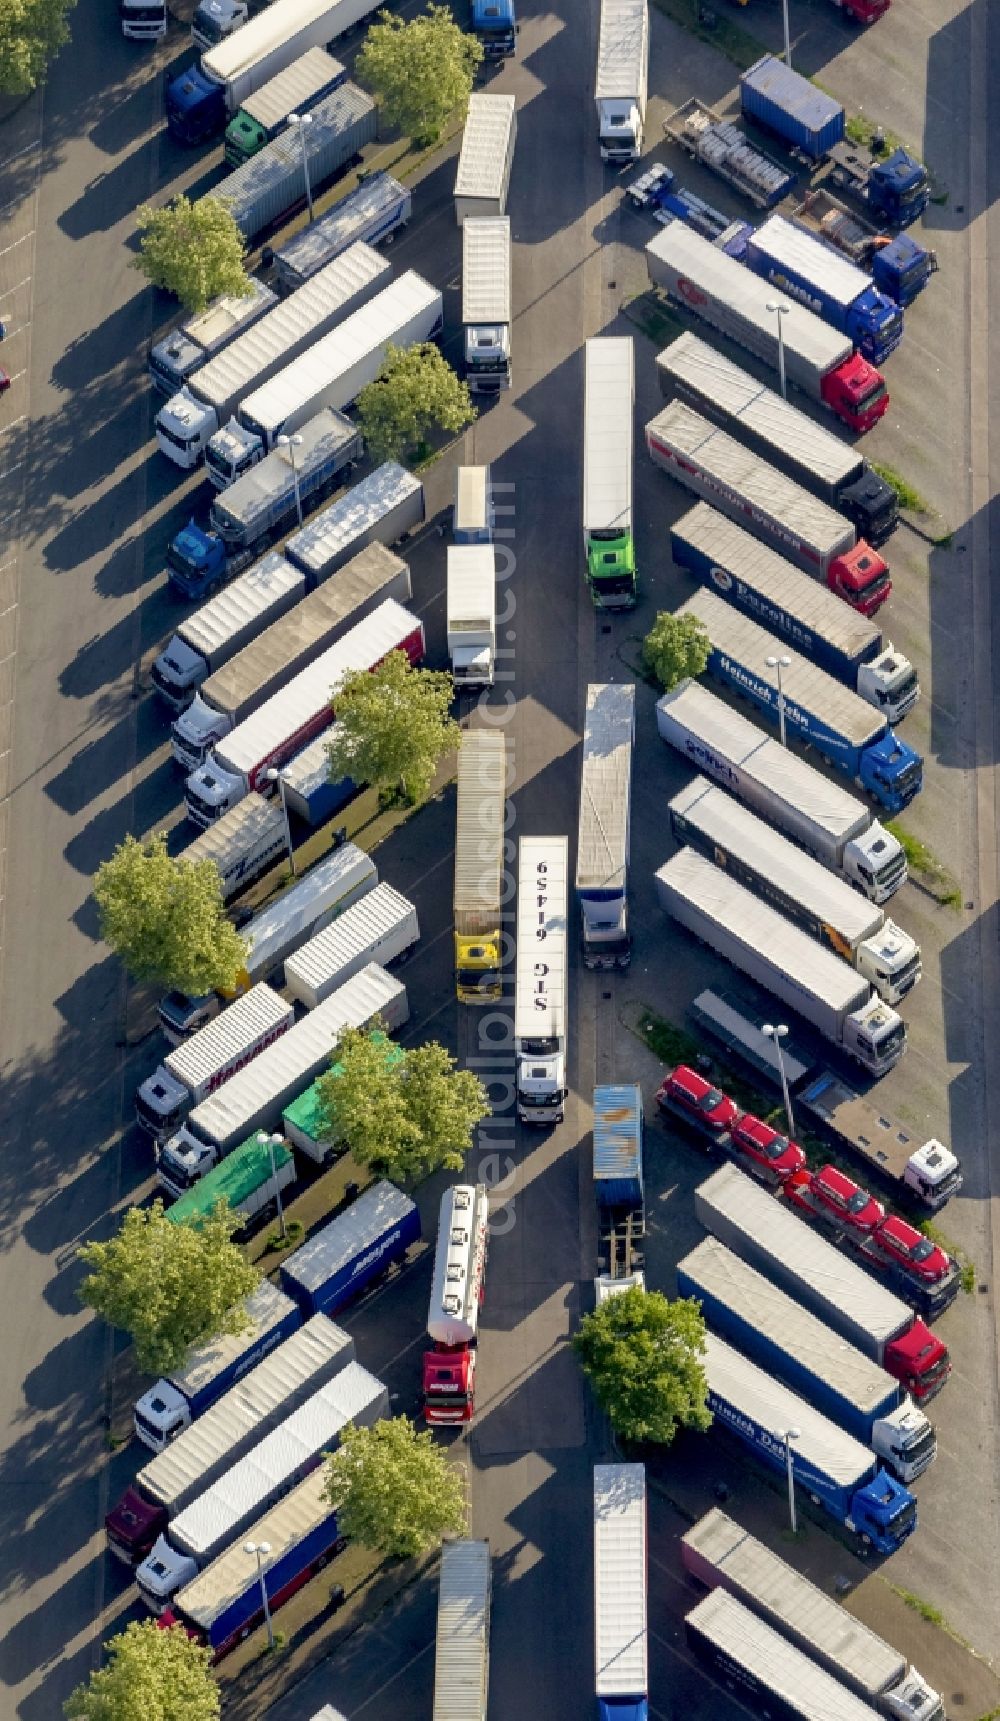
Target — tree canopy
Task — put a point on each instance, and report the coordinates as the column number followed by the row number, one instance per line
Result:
column 165, row 918
column 31, row 34
column 393, row 725
column 193, row 250
column 394, row 1489
column 642, row 1354
column 415, row 392
column 675, row 647
column 419, row 72
column 170, row 1286
column 150, row 1675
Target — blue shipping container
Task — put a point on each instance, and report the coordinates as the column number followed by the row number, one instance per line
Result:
column 285, row 1575
column 339, row 1261
column 789, row 105
column 618, row 1146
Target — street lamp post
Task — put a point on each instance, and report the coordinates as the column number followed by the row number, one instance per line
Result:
column 777, row 1034
column 779, row 310
column 274, row 776
column 780, row 663
column 292, row 443
column 262, row 1549
column 273, row 1141
column 301, row 122
column 791, row 1434
column 788, row 45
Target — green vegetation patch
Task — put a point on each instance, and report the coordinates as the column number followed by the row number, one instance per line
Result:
column 730, row 39
column 906, row 495
column 925, row 868
column 966, row 1266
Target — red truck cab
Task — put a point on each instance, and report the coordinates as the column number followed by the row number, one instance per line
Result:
column 919, row 1361
column 707, row 1108
column 856, row 392
column 772, row 1153
column 449, row 1384
column 861, row 577
column 828, row 1194
column 133, row 1526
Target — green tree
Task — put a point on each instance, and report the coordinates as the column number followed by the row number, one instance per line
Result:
column 394, row 1489
column 193, row 250
column 150, row 1675
column 642, row 1355
column 165, row 918
column 675, row 646
column 31, row 34
column 419, row 72
column 169, row 1286
column 415, row 392
column 393, row 725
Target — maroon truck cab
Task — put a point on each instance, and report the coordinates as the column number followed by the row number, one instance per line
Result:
column 133, row 1526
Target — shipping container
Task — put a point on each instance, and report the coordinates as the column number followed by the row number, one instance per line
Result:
column 381, row 928
column 487, row 156
column 373, row 212
column 342, row 1258
column 618, row 1146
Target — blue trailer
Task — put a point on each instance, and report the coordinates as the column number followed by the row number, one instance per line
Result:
column 618, row 1146
column 841, row 726
column 829, row 284
column 829, row 1466
column 309, row 794
column 346, row 1255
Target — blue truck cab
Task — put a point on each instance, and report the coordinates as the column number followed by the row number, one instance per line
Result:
column 896, row 188
column 196, row 562
column 493, row 21
column 903, row 268
column 196, row 106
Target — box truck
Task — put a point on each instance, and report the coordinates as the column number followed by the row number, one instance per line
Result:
column 255, row 1098
column 471, row 614
column 770, row 1236
column 771, row 1673
column 383, row 509
column 472, row 510
column 721, row 147
column 602, row 849
column 457, row 1291
column 835, row 288
column 541, row 1005
column 266, row 112
column 901, row 267
column 382, row 927
column 221, row 628
column 826, row 907
column 177, row 355
column 819, row 815
column 620, row 83
column 729, row 297
column 486, row 313
column 620, row 1628
column 215, row 1053
column 479, row 893
column 462, row 1647
column 719, row 1554
column 609, row 400
column 486, row 157
column 843, row 728
column 258, row 1402
column 244, row 845
column 764, row 586
column 280, row 728
column 804, row 450
column 343, row 1257
column 375, row 213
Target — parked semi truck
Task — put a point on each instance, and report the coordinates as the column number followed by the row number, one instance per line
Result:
column 173, row 1403
column 832, row 1468
column 721, row 147
column 193, row 1071
column 620, row 84
column 835, row 288
column 383, row 509
column 541, row 1006
column 771, row 1673
column 199, row 337
column 250, row 1183
column 787, row 518
column 761, row 584
column 290, row 644
column 265, row 114
column 462, row 1645
column 843, row 728
column 486, row 312
column 770, row 1236
column 928, row 1173
column 305, row 1121
column 609, row 399
column 310, row 1357
column 225, row 1510
column 619, row 1187
column 209, row 398
column 345, row 1256
column 216, row 632
column 620, row 1628
column 813, row 456
column 244, row 844
column 471, row 614
column 495, row 24
column 729, row 297
column 798, row 887
column 457, row 1291
column 374, row 213
column 602, row 849
column 215, row 20
column 280, row 727
column 893, row 188
column 900, row 267
column 819, row 815
column 787, row 1341
column 255, row 1098
column 839, row 1003
column 719, row 1554
column 324, row 892
column 482, row 179
column 479, row 859
column 382, row 927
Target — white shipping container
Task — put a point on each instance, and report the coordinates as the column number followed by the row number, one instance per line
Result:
column 379, row 929
column 383, row 508
column 325, row 891
column 609, row 395
column 487, row 156
column 462, row 1652
column 620, row 1634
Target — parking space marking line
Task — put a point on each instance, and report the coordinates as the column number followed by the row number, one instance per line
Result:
column 420, row 1653
column 13, row 247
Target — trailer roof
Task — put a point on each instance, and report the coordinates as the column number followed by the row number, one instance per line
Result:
column 732, row 463
column 751, row 1568
column 618, row 1131
column 282, row 157
column 350, row 934
column 204, row 329
column 792, row 248
column 339, row 874
column 266, row 1307
column 716, row 1013
column 709, row 270
column 725, row 824
column 606, row 787
column 693, row 364
column 486, row 269
column 348, row 1235
column 748, row 1209
column 308, row 1115
column 236, row 605
column 268, row 30
column 609, row 399
column 222, row 1583
column 621, row 49
column 753, row 1393
column 732, row 736
column 197, row 1060
column 716, row 1271
column 480, row 808
column 757, row 926
column 540, row 999
column 471, row 586
column 251, row 821
column 293, row 89
column 620, row 1637
column 804, row 683
column 329, row 534
column 324, row 437
column 485, row 145
column 770, row 76
column 462, row 1653
column 353, row 215
column 233, row 1180
column 805, row 1688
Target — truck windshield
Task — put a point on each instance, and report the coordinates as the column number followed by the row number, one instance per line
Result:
column 180, row 563
column 877, row 392
column 917, row 1447
column 904, row 1520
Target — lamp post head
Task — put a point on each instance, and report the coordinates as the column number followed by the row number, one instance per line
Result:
column 790, row 1434
column 777, row 309
column 782, row 662
column 272, row 774
column 300, row 119
column 773, row 1032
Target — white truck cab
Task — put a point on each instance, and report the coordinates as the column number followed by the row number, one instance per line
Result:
column 889, row 682
column 214, row 20
column 162, row 1573
column 184, row 428
column 143, row 20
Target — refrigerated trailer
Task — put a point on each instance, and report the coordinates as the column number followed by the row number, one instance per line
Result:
column 620, row 1630
column 486, row 307
column 771, row 1673
column 608, row 438
column 462, row 1649
column 487, row 156
column 541, row 1013
column 479, row 892
column 602, row 850
column 192, row 1071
